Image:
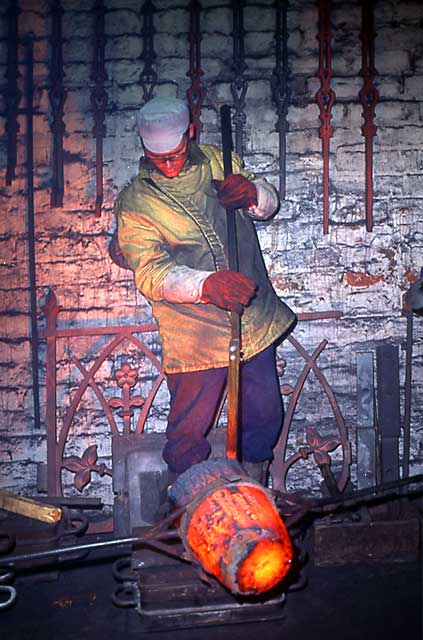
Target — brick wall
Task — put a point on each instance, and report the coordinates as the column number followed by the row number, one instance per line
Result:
column 363, row 274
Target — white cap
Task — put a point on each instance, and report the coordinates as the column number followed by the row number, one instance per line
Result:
column 162, row 122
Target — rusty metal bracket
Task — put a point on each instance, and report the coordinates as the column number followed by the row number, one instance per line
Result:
column 148, row 76
column 368, row 96
column 280, row 87
column 239, row 85
column 99, row 99
column 13, row 94
column 57, row 97
column 195, row 93
column 325, row 98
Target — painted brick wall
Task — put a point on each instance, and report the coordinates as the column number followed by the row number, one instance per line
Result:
column 363, row 274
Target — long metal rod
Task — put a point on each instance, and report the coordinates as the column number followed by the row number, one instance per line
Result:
column 99, row 100
column 82, row 548
column 57, row 97
column 407, row 395
column 158, row 532
column 332, row 504
column 12, row 95
column 280, row 89
column 235, row 342
column 51, row 309
column 29, row 89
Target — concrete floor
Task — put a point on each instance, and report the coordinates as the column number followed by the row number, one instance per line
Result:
column 377, row 600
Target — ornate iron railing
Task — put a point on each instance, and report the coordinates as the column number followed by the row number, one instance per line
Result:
column 133, row 407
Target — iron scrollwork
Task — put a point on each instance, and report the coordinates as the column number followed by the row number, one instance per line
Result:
column 368, row 96
column 280, row 88
column 148, row 76
column 325, row 98
column 316, row 445
column 239, row 85
column 195, row 93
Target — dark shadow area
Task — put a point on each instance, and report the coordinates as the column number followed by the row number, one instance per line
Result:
column 366, row 600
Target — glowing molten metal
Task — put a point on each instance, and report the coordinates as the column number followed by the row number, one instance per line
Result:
column 234, row 530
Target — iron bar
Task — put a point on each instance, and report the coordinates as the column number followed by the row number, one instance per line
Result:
column 148, row 76
column 57, row 97
column 225, row 116
column 235, row 341
column 195, row 93
column 99, row 99
column 29, row 89
column 368, row 96
column 50, row 310
column 319, row 315
column 239, row 84
column 325, row 98
column 156, row 533
column 280, row 88
column 407, row 394
column 299, row 507
column 12, row 94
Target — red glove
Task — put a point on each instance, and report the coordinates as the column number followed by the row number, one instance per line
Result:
column 228, row 290
column 235, row 192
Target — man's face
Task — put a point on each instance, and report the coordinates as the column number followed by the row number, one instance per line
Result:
column 171, row 163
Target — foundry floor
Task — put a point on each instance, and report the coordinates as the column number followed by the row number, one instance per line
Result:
column 366, row 601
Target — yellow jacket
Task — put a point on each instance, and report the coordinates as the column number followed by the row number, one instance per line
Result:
column 166, row 223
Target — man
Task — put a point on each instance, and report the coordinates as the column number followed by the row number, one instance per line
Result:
column 172, row 233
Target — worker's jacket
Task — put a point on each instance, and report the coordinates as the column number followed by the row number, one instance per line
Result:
column 164, row 223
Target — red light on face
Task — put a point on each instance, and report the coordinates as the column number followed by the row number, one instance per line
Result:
column 170, row 164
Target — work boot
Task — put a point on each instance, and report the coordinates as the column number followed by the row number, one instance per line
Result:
column 258, row 471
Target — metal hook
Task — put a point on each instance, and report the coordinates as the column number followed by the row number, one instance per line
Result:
column 7, row 589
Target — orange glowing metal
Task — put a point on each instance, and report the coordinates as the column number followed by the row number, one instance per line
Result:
column 238, row 536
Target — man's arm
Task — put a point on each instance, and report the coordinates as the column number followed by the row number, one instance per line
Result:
column 267, row 200
column 146, row 253
column 159, row 278
column 266, row 195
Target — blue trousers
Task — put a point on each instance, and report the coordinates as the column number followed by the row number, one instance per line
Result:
column 195, row 400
